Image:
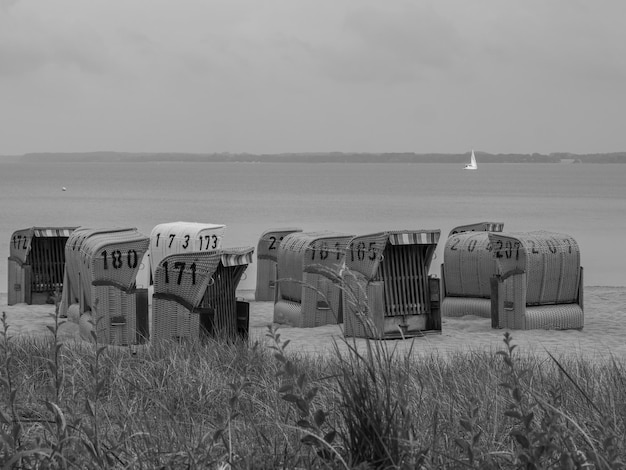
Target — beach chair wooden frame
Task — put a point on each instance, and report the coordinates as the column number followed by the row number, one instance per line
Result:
column 388, row 292
column 101, row 267
column 539, row 283
column 466, row 271
column 267, row 259
column 308, row 292
column 36, row 264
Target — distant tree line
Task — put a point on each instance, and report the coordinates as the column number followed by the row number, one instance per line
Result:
column 331, row 157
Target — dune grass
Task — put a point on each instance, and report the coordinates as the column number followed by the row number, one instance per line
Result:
column 219, row 404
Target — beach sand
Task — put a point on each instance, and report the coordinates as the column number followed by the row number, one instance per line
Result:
column 603, row 336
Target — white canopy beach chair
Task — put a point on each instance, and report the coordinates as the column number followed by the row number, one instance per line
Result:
column 183, row 237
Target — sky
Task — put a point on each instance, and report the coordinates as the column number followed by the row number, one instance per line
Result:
column 276, row 76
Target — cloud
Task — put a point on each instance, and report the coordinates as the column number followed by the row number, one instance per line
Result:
column 278, row 75
column 6, row 4
column 392, row 42
column 29, row 44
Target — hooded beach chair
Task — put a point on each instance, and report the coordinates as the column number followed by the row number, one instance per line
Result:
column 388, row 292
column 267, row 259
column 195, row 292
column 308, row 268
column 539, row 281
column 468, row 265
column 36, row 264
column 180, row 282
column 101, row 267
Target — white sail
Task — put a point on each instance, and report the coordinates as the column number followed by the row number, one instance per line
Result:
column 472, row 165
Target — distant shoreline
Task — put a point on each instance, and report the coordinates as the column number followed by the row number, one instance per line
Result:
column 331, row 157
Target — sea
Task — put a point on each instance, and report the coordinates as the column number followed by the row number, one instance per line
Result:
column 585, row 201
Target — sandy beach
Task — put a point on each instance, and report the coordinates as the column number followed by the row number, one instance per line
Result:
column 601, row 338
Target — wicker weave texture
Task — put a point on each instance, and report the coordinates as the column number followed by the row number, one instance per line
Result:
column 308, row 266
column 365, row 252
column 266, row 280
column 171, row 320
column 86, row 258
column 555, row 317
column 184, row 277
column 321, row 301
column 468, row 265
column 299, row 250
column 515, row 313
column 550, row 260
column 183, row 237
column 114, row 315
column 267, row 258
column 359, row 306
column 101, row 267
column 461, row 306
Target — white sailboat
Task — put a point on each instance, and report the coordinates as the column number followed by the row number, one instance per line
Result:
column 472, row 165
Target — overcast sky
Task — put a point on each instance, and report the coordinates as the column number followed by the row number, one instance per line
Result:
column 272, row 76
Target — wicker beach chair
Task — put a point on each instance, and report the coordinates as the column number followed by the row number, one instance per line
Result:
column 196, row 292
column 101, row 267
column 267, row 258
column 388, row 292
column 539, row 281
column 308, row 268
column 36, row 264
column 468, row 265
column 180, row 282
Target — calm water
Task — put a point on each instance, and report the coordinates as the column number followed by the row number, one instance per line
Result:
column 585, row 201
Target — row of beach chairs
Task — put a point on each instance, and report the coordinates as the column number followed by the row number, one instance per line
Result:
column 377, row 285
column 193, row 277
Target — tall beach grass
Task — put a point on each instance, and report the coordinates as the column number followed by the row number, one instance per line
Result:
column 224, row 404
